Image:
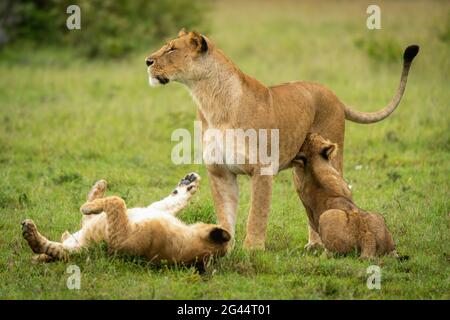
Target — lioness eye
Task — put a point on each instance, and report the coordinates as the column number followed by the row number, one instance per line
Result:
column 172, row 49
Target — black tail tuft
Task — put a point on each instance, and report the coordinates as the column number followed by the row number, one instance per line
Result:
column 410, row 53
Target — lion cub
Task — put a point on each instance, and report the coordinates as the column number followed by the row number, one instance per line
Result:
column 342, row 226
column 153, row 232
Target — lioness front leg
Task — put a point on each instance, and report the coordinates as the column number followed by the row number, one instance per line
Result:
column 225, row 192
column 259, row 212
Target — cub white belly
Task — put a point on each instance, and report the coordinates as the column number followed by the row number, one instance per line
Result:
column 142, row 214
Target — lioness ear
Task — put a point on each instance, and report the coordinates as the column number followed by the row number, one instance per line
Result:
column 219, row 235
column 329, row 150
column 182, row 32
column 198, row 41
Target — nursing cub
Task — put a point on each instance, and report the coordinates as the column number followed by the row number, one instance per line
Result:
column 342, row 226
column 153, row 232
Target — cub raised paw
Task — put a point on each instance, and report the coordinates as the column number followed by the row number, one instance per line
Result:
column 189, row 184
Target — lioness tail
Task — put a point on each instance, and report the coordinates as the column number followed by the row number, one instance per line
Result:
column 371, row 117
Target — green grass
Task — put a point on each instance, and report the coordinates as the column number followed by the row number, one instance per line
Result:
column 66, row 122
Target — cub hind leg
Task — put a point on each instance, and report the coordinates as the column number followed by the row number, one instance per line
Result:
column 338, row 231
column 47, row 250
column 42, row 257
column 368, row 245
column 42, row 246
column 118, row 225
column 97, row 191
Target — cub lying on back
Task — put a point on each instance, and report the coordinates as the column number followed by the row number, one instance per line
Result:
column 342, row 226
column 153, row 232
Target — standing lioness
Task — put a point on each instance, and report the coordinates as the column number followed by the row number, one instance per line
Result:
column 227, row 98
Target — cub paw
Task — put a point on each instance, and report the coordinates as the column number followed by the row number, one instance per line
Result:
column 91, row 208
column 189, row 184
column 313, row 247
column 98, row 190
column 31, row 235
column 41, row 258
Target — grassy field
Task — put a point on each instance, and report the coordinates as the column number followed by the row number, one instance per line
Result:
column 66, row 122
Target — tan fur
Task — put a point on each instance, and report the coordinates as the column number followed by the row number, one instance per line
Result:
column 160, row 236
column 227, row 98
column 341, row 225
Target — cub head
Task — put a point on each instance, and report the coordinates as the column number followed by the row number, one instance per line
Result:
column 313, row 162
column 216, row 240
column 180, row 59
column 209, row 240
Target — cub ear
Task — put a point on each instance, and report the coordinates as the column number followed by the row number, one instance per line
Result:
column 182, row 32
column 219, row 235
column 198, row 42
column 300, row 160
column 329, row 150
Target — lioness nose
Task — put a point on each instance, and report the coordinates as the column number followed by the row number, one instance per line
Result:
column 149, row 61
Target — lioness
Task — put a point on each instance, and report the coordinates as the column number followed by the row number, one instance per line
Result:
column 227, row 98
column 341, row 225
column 152, row 232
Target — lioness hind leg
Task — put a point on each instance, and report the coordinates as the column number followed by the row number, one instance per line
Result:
column 329, row 122
column 314, row 240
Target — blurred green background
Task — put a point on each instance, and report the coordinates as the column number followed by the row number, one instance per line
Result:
column 110, row 29
column 75, row 107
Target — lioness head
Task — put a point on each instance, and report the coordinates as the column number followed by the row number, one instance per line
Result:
column 178, row 60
